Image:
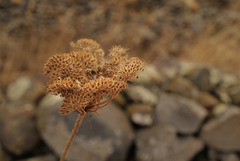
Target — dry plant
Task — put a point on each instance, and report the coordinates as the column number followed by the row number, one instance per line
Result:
column 85, row 76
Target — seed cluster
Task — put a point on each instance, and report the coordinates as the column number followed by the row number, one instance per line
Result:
column 85, row 75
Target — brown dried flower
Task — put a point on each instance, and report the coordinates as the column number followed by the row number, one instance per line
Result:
column 85, row 76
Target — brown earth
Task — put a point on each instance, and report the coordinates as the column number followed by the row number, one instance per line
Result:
column 195, row 30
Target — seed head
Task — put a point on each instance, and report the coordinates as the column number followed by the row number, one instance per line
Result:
column 85, row 75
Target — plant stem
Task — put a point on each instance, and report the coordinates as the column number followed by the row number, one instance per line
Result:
column 74, row 131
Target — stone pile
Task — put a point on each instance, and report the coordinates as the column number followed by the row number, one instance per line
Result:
column 175, row 111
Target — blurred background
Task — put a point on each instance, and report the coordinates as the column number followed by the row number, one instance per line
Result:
column 192, row 51
column 194, row 30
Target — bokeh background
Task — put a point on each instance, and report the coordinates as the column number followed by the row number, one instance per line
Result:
column 194, row 30
column 160, row 32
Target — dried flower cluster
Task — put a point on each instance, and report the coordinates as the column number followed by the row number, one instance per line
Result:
column 85, row 75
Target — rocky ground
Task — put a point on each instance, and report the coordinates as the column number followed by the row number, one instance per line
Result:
column 175, row 111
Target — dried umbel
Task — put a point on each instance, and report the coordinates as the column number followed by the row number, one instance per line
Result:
column 85, row 76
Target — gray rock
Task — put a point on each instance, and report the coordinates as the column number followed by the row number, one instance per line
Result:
column 24, row 88
column 182, row 113
column 215, row 77
column 227, row 89
column 223, row 132
column 46, row 157
column 235, row 95
column 99, row 138
column 229, row 80
column 120, row 99
column 182, row 86
column 3, row 155
column 5, row 3
column 140, row 114
column 229, row 157
column 206, row 78
column 2, row 98
column 206, row 100
column 212, row 154
column 187, row 69
column 140, row 94
column 149, row 76
column 160, row 143
column 18, row 131
column 18, row 88
column 168, row 68
column 215, row 155
column 223, row 95
column 219, row 109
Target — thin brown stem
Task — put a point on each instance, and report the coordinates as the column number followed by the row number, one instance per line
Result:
column 74, row 131
column 109, row 100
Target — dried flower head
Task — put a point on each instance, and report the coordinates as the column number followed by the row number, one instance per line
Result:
column 85, row 76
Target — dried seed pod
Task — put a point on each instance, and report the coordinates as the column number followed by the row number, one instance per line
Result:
column 81, row 77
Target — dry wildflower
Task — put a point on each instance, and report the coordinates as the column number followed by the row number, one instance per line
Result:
column 85, row 76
